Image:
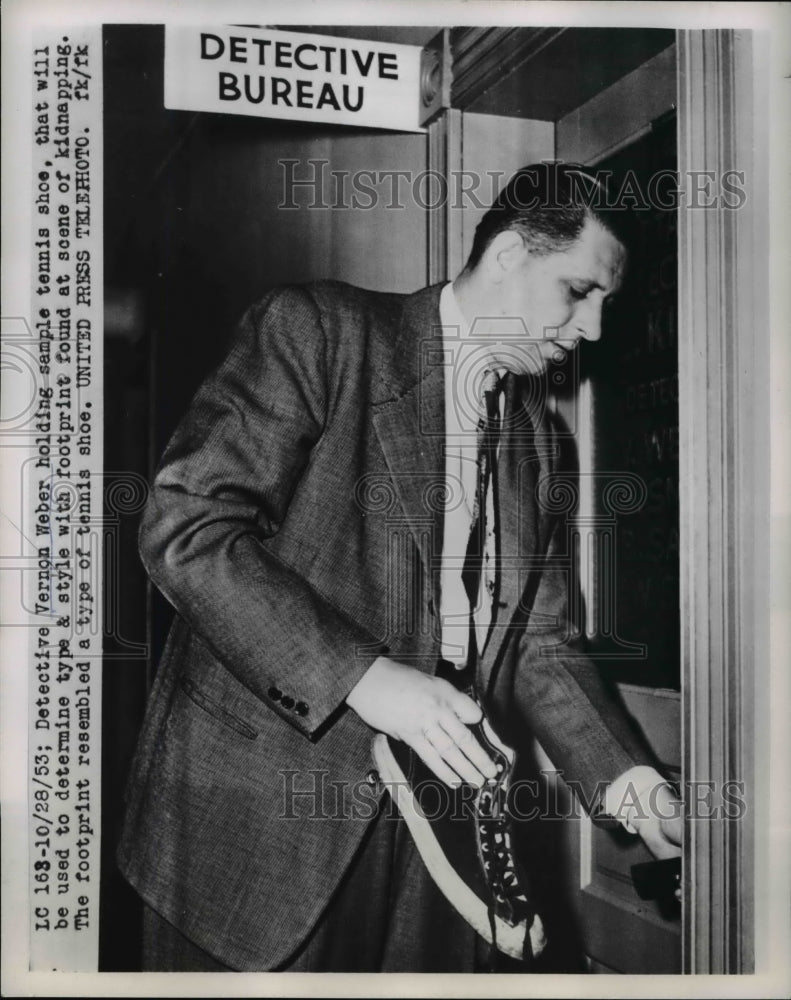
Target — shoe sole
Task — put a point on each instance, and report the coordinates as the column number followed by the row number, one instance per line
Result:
column 510, row 937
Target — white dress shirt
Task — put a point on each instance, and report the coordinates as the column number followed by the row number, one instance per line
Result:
column 464, row 365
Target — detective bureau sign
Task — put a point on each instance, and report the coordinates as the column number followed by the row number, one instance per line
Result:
column 295, row 75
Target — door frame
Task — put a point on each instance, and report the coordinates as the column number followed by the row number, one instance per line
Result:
column 724, row 460
column 724, row 453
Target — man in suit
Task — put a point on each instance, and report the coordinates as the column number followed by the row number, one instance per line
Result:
column 302, row 525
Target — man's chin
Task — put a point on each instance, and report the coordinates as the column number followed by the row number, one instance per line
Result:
column 537, row 358
column 533, row 358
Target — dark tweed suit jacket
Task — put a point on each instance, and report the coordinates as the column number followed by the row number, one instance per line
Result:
column 294, row 526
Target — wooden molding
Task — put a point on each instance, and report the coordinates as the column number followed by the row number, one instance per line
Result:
column 444, row 224
column 482, row 56
column 435, row 76
column 723, row 464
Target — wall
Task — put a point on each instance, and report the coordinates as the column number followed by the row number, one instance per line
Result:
column 221, row 238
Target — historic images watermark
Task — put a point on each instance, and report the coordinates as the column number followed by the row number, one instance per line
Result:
column 314, row 184
column 315, row 795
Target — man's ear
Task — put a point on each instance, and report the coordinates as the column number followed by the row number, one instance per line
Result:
column 505, row 252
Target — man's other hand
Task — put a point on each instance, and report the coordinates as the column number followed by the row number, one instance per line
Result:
column 661, row 826
column 428, row 714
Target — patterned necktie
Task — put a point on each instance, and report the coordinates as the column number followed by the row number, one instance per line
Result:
column 479, row 574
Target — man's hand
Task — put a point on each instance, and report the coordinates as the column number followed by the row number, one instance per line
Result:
column 428, row 714
column 660, row 824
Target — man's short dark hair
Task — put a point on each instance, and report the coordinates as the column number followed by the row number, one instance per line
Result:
column 548, row 204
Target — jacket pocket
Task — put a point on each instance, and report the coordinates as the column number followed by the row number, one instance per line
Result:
column 217, row 711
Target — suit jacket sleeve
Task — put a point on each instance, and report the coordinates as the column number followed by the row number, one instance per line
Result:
column 559, row 691
column 223, row 489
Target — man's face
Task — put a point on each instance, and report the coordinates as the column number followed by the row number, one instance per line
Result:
column 559, row 298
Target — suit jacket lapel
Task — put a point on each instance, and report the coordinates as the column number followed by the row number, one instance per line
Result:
column 410, row 426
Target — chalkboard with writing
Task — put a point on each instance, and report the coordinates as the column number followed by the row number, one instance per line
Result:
column 633, row 373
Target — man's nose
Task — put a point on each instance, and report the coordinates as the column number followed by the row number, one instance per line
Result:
column 588, row 322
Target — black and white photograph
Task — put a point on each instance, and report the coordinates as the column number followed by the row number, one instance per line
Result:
column 395, row 499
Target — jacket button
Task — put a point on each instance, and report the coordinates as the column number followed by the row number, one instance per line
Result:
column 301, row 708
column 275, row 693
column 287, row 701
